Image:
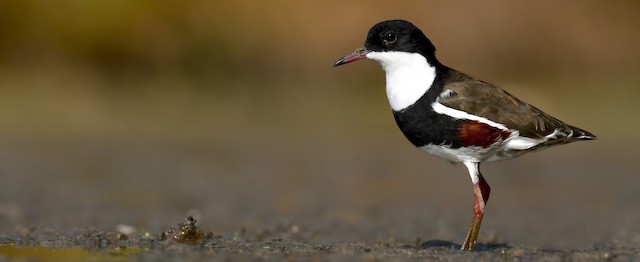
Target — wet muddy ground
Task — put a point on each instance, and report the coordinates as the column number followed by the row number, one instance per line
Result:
column 186, row 242
column 341, row 198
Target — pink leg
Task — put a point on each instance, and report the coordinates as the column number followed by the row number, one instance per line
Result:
column 481, row 191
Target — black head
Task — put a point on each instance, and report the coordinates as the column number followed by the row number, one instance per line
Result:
column 398, row 35
column 394, row 35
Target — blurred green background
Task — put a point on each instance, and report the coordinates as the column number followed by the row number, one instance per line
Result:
column 179, row 67
column 136, row 112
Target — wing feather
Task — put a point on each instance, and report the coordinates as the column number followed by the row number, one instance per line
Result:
column 486, row 100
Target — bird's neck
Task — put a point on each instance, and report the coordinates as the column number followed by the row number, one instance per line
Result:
column 409, row 76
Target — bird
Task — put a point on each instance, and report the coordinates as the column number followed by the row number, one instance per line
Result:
column 454, row 116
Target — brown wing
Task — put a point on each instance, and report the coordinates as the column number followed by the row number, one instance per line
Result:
column 486, row 100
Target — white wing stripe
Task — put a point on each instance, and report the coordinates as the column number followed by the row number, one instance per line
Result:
column 442, row 109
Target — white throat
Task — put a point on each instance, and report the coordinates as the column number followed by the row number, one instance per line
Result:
column 409, row 76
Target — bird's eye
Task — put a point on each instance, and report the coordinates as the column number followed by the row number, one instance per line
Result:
column 389, row 37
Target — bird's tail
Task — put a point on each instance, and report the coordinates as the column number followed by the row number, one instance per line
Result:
column 580, row 134
column 565, row 135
